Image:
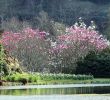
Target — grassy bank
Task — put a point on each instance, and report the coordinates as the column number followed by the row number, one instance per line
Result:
column 42, row 79
column 45, row 82
column 69, row 81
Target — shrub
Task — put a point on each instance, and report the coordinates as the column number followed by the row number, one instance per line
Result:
column 1, row 83
column 24, row 81
column 95, row 63
column 32, row 78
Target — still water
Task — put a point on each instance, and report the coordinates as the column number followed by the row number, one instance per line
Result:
column 56, row 91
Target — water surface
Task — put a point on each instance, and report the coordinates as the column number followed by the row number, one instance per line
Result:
column 55, row 90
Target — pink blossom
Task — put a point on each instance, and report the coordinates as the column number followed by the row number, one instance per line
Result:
column 81, row 35
column 11, row 40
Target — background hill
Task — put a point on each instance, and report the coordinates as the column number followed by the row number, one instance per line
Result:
column 65, row 11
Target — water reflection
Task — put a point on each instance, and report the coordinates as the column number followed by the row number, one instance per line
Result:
column 50, row 91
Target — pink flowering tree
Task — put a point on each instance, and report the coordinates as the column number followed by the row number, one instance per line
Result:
column 29, row 46
column 77, row 42
column 36, row 49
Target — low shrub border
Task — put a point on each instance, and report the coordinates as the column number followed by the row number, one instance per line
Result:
column 30, row 78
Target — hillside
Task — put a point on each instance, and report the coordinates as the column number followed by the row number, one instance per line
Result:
column 66, row 11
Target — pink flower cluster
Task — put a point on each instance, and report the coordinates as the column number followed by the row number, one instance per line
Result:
column 79, row 34
column 10, row 39
column 74, row 34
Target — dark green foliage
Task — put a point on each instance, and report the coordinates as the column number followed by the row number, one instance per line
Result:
column 23, row 81
column 95, row 63
column 1, row 83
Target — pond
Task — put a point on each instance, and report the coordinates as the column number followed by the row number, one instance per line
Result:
column 55, row 90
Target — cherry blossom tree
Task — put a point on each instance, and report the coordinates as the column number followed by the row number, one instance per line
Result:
column 29, row 46
column 77, row 42
column 36, row 50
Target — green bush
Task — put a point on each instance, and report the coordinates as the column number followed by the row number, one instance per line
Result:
column 24, row 81
column 32, row 78
column 95, row 63
column 3, row 67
